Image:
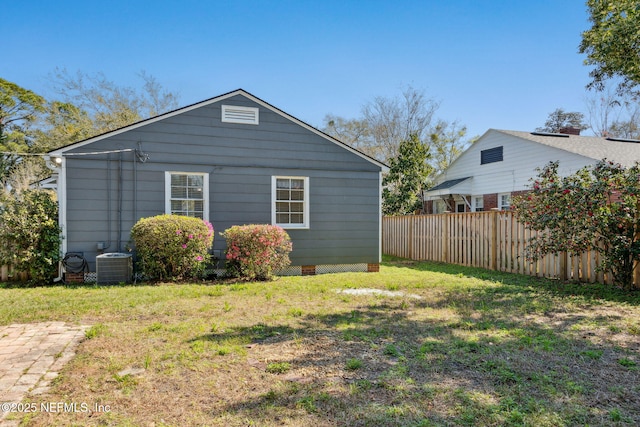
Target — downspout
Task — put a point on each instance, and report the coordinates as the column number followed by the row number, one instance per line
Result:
column 135, row 188
column 380, row 216
column 107, row 245
column 58, row 166
column 119, row 237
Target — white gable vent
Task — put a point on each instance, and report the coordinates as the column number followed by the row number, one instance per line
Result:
column 235, row 114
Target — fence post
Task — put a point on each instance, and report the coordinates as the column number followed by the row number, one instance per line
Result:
column 411, row 236
column 563, row 266
column 445, row 237
column 494, row 240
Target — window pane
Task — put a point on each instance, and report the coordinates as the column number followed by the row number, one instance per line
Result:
column 297, row 194
column 179, row 180
column 283, row 183
column 195, row 181
column 282, row 218
column 176, row 205
column 282, row 207
column 194, row 193
column 297, row 183
column 297, row 207
column 178, row 192
column 296, row 218
column 282, row 194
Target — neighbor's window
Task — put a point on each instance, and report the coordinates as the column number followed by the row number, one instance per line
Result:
column 478, row 203
column 187, row 194
column 504, row 201
column 290, row 201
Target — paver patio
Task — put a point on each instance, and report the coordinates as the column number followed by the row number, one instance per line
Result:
column 31, row 355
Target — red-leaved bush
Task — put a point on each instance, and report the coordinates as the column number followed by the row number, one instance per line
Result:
column 256, row 251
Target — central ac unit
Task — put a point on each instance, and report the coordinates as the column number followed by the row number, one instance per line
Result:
column 114, row 268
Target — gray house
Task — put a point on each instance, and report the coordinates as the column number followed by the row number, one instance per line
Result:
column 233, row 159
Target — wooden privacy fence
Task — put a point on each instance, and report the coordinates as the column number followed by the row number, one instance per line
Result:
column 492, row 240
column 8, row 274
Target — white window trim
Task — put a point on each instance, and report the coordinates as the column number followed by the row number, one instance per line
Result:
column 500, row 205
column 205, row 190
column 243, row 115
column 475, row 205
column 305, row 213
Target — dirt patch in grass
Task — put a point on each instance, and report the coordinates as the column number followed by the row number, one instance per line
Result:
column 476, row 348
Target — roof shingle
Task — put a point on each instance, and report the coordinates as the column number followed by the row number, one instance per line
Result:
column 624, row 152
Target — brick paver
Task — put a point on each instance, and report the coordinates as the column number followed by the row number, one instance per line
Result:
column 31, row 355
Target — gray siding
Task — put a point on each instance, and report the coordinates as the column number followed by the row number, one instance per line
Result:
column 240, row 160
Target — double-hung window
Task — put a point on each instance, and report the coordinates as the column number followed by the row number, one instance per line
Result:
column 504, row 201
column 290, row 201
column 478, row 203
column 187, row 193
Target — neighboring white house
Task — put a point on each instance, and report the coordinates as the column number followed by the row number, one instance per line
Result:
column 502, row 162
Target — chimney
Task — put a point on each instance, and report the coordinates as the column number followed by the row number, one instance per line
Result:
column 570, row 130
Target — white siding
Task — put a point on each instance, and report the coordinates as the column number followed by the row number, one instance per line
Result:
column 521, row 158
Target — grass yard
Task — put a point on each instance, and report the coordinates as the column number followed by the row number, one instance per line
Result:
column 460, row 347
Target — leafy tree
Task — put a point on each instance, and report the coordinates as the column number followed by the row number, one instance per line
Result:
column 629, row 129
column 355, row 133
column 603, row 109
column 19, row 109
column 594, row 208
column 406, row 178
column 30, row 234
column 613, row 114
column 62, row 124
column 612, row 44
column 446, row 143
column 559, row 119
column 385, row 122
column 393, row 120
column 91, row 105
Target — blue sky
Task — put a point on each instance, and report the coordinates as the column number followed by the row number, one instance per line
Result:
column 502, row 64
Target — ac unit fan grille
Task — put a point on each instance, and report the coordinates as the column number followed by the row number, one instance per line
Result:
column 114, row 268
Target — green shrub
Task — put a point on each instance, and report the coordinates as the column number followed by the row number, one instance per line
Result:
column 30, row 234
column 172, row 246
column 256, row 251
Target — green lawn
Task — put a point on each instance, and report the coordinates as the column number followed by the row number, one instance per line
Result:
column 460, row 346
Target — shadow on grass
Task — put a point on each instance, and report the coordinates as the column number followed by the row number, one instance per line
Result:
column 490, row 367
column 251, row 334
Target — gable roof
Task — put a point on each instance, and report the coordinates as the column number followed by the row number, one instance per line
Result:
column 60, row 151
column 625, row 152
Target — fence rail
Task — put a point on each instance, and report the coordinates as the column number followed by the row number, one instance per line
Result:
column 491, row 240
